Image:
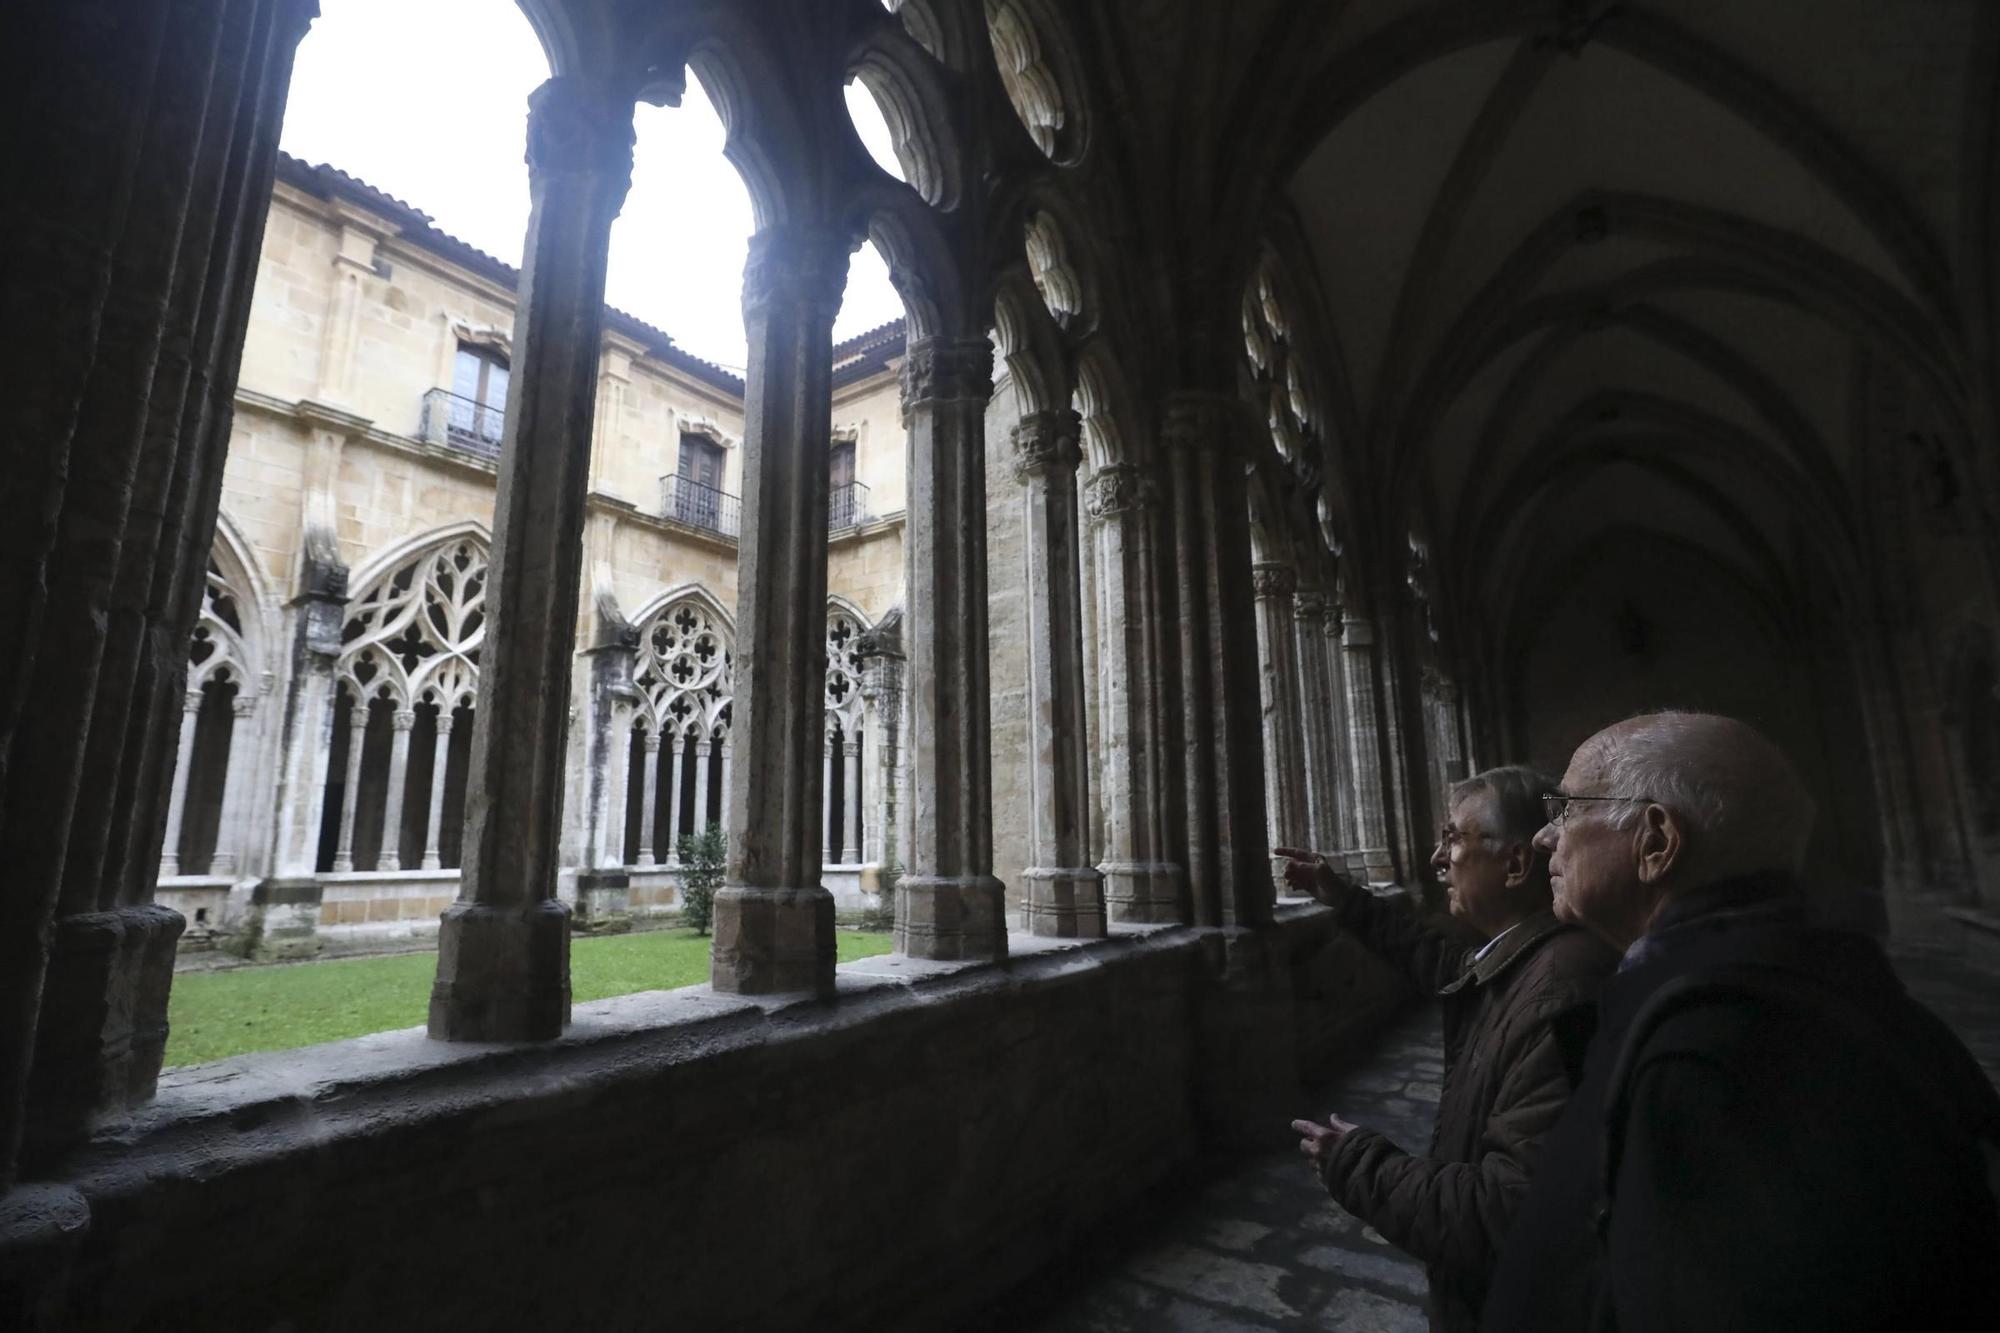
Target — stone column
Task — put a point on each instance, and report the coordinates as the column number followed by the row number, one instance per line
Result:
column 391, row 857
column 170, row 859
column 440, row 760
column 1208, row 572
column 1451, row 732
column 1316, row 708
column 676, row 745
column 773, row 918
column 357, row 732
column 1277, row 586
column 232, row 844
column 722, row 757
column 503, row 947
column 306, row 717
column 1344, row 796
column 1138, row 884
column 950, row 905
column 649, row 793
column 1364, row 750
column 1065, row 893
column 826, row 785
column 702, row 749
column 851, row 807
column 1396, row 804
column 611, row 853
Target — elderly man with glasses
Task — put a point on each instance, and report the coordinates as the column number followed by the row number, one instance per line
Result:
column 1504, row 974
column 1769, row 1134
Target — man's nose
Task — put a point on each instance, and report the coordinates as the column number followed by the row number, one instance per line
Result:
column 1548, row 838
column 1439, row 857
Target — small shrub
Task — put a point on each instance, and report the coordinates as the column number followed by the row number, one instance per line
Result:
column 703, row 858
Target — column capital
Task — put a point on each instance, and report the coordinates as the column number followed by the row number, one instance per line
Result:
column 1357, row 632
column 947, row 370
column 796, row 263
column 1335, row 626
column 1204, row 422
column 1309, row 604
column 191, row 701
column 243, row 705
column 1045, row 442
column 403, row 719
column 703, row 748
column 652, row 742
column 444, row 720
column 850, row 748
column 1118, row 488
column 577, row 127
column 1273, row 580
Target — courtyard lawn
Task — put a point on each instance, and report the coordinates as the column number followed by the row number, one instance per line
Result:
column 214, row 1014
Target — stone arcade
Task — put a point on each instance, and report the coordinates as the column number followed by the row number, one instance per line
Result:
column 1302, row 404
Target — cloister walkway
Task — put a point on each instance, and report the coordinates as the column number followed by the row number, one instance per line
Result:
column 1261, row 1247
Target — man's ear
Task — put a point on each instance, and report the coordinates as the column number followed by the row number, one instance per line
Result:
column 1656, row 844
column 1520, row 863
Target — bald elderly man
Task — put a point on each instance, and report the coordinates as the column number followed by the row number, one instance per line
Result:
column 1769, row 1133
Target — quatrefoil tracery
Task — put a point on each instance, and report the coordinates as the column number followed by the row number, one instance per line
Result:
column 418, row 632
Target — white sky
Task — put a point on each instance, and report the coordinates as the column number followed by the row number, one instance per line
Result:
column 427, row 100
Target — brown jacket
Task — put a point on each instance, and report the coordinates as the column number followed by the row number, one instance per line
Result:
column 1505, row 1083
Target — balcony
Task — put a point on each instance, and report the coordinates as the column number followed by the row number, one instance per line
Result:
column 462, row 423
column 699, row 505
column 847, row 506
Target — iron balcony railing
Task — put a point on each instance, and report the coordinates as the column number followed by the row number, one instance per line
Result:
column 700, row 505
column 848, row 506
column 463, row 423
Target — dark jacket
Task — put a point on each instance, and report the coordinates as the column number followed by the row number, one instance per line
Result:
column 1504, row 1087
column 1797, row 1151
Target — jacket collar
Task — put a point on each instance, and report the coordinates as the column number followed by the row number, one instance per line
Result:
column 1518, row 942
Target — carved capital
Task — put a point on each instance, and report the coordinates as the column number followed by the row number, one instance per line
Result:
column 444, row 721
column 1044, row 442
column 1274, row 580
column 947, row 370
column 191, row 701
column 1204, row 423
column 1358, row 634
column 651, row 742
column 403, row 719
column 796, row 264
column 1118, row 488
column 243, row 705
column 578, row 128
column 1309, row 604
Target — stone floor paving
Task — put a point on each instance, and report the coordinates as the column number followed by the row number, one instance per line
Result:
column 1261, row 1247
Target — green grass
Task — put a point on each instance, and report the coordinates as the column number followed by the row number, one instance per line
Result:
column 215, row 1014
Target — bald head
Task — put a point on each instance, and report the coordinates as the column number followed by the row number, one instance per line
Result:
column 1741, row 805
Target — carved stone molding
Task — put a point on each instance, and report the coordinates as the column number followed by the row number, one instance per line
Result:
column 947, row 370
column 1309, row 604
column 1044, row 442
column 1118, row 488
column 1274, row 580
column 576, row 128
column 800, row 264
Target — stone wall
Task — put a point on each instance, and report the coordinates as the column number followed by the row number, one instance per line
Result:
column 921, row 1144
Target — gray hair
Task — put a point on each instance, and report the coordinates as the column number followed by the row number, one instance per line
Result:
column 1514, row 793
column 1740, row 803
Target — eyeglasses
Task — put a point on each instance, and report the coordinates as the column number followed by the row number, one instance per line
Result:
column 1556, row 804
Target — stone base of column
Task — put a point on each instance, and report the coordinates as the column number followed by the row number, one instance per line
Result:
column 603, row 900
column 1141, row 892
column 104, row 1022
column 951, row 920
column 503, row 972
column 283, row 920
column 41, row 1229
column 1065, row 904
column 772, row 941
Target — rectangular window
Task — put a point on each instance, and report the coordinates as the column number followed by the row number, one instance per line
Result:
column 698, row 488
column 479, row 384
column 843, row 509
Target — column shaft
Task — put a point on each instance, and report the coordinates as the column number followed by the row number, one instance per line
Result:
column 1221, row 818
column 850, row 815
column 503, row 947
column 1316, row 708
column 1364, row 749
column 239, row 826
column 1284, row 757
column 440, row 759
column 676, row 746
column 350, row 797
column 1065, row 893
column 649, row 792
column 773, row 918
column 702, row 749
column 170, row 859
column 391, row 856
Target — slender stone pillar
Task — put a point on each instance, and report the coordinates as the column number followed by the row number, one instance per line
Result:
column 1277, row 586
column 1138, row 884
column 1396, row 786
column 649, row 793
column 1451, row 732
column 170, row 859
column 1065, row 893
column 773, row 918
column 239, row 826
column 826, row 785
column 1344, row 796
column 440, row 759
column 503, row 947
column 1364, row 749
column 350, row 798
column 722, row 757
column 676, row 746
column 618, row 781
column 703, row 748
column 307, row 718
column 851, row 806
column 950, row 905
column 1316, row 719
column 391, row 856
column 1222, row 821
